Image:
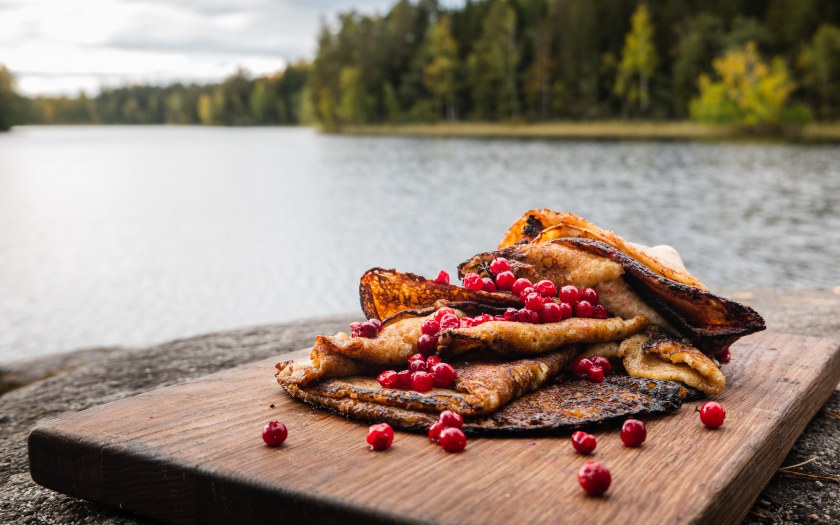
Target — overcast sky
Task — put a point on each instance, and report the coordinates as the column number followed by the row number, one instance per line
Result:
column 62, row 46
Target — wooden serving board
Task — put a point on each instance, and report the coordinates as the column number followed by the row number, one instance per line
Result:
column 192, row 453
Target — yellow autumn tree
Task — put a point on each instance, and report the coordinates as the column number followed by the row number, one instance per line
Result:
column 746, row 91
column 638, row 61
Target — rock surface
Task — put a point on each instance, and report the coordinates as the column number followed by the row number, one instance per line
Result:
column 73, row 382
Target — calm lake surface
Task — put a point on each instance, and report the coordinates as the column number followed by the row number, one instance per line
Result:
column 135, row 235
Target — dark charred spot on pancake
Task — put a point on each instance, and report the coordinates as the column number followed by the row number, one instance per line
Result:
column 533, row 227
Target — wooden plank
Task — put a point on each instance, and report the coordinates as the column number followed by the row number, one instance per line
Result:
column 192, row 453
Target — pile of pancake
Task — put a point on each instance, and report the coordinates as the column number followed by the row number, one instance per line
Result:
column 663, row 331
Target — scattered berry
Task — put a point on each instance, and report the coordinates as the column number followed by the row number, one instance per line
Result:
column 453, row 439
column 594, row 478
column 389, row 379
column 566, row 310
column 417, row 357
column 534, row 301
column 467, row 322
column 583, row 309
column 488, row 285
column 603, row 362
column 595, row 374
column 376, row 324
column 599, row 312
column 355, row 329
column 442, row 277
column 511, row 314
column 546, row 288
column 569, row 294
column 430, row 327
column 444, row 375
column 422, row 381
column 434, row 431
column 449, row 418
column 526, row 292
column 499, row 265
column 551, row 312
column 404, row 379
column 581, row 366
column 724, row 356
column 418, row 365
column 443, row 311
column 519, row 285
column 274, row 433
column 526, row 315
column 432, row 360
column 472, row 281
column 449, row 321
column 583, row 442
column 589, row 295
column 483, row 318
column 633, row 433
column 712, row 414
column 505, row 280
column 380, row 436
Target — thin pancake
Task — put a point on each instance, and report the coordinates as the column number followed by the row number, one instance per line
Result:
column 563, row 405
column 507, row 338
column 480, row 387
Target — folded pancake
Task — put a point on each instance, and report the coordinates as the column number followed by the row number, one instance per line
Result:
column 506, row 338
column 481, row 387
column 654, row 354
column 628, row 288
column 545, row 225
column 563, row 404
column 384, row 293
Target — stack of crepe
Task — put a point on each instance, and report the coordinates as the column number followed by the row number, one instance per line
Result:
column 662, row 333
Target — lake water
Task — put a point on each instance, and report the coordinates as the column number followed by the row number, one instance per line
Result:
column 135, row 235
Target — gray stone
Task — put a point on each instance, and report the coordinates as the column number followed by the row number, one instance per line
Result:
column 73, row 382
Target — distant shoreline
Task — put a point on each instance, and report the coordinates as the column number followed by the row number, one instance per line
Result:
column 608, row 130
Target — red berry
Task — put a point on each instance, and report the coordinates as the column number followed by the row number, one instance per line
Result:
column 403, row 379
column 589, row 295
column 569, row 294
column 712, row 414
column 633, row 433
column 581, row 367
column 388, row 379
column 519, row 285
column 583, row 309
column 418, row 365
column 376, row 324
column 355, row 329
column 534, row 301
column 488, row 285
column 417, row 357
column 434, row 431
column 467, row 322
column 599, row 312
column 430, row 327
column 449, row 321
column 368, row 330
column 432, row 360
column 594, row 478
column 472, row 281
column 451, row 419
column 442, row 277
column 526, row 292
column 510, row 314
column 566, row 310
column 546, row 288
column 583, row 442
column 724, row 356
column 603, row 362
column 441, row 312
column 499, row 318
column 444, row 375
column 499, row 265
column 380, row 436
column 505, row 280
column 274, row 433
column 526, row 315
column 483, row 318
column 551, row 312
column 595, row 374
column 453, row 439
column 422, row 381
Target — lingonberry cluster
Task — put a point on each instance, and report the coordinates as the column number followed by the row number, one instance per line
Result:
column 593, row 368
column 422, row 374
column 447, row 432
column 369, row 328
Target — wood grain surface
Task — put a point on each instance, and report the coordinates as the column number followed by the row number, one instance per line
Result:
column 192, row 453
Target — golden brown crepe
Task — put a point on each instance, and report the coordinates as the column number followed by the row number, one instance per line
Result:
column 506, row 338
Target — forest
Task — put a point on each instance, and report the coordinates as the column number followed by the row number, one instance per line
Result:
column 751, row 63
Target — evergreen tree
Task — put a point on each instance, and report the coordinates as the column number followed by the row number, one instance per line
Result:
column 442, row 66
column 820, row 61
column 493, row 65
